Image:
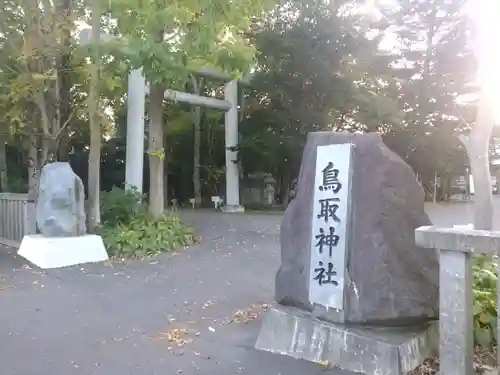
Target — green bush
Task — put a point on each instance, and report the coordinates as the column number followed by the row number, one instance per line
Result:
column 485, row 301
column 128, row 231
column 146, row 236
column 120, row 206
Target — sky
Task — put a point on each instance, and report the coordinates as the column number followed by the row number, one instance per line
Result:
column 485, row 15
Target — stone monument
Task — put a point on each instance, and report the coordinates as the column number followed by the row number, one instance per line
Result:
column 269, row 190
column 60, row 217
column 60, row 208
column 353, row 290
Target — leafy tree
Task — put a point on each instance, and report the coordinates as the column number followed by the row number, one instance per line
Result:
column 311, row 76
column 169, row 41
column 36, row 39
column 433, row 65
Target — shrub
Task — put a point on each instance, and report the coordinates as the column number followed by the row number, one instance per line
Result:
column 120, row 206
column 146, row 236
column 485, row 301
column 129, row 231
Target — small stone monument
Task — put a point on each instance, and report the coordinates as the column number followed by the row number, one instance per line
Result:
column 60, row 208
column 269, row 190
column 60, row 217
column 353, row 289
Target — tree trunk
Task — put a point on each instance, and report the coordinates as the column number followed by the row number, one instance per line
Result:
column 477, row 146
column 33, row 166
column 156, row 151
column 445, row 192
column 93, row 214
column 423, row 98
column 4, row 185
column 196, row 156
column 197, row 144
column 63, row 8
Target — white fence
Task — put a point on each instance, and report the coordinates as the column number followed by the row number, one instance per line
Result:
column 17, row 218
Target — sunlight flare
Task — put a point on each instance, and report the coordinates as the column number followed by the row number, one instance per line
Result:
column 484, row 14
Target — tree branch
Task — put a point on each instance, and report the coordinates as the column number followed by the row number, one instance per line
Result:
column 40, row 102
column 64, row 126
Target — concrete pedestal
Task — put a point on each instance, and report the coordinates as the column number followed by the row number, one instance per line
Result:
column 55, row 252
column 365, row 350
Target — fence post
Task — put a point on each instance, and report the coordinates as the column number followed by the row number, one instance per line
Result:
column 30, row 217
column 455, row 313
column 456, row 249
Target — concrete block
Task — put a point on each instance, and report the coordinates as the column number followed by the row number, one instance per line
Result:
column 462, row 239
column 233, row 209
column 456, row 312
column 361, row 349
column 55, row 252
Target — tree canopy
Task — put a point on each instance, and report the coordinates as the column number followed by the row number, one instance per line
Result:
column 405, row 71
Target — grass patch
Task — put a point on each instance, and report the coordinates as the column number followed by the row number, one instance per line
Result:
column 130, row 232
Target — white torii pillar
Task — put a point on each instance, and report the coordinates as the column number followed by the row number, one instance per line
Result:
column 232, row 167
column 134, row 164
column 134, row 152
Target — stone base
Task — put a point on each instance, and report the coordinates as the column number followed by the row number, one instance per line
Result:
column 365, row 350
column 55, row 252
column 233, row 209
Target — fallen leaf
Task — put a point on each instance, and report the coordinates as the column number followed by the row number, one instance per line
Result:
column 249, row 314
column 178, row 337
column 323, row 363
column 483, row 362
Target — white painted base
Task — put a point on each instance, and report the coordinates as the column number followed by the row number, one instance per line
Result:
column 233, row 209
column 466, row 226
column 55, row 252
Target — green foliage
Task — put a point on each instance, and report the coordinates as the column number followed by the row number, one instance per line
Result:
column 129, row 231
column 168, row 40
column 435, row 41
column 120, row 206
column 145, row 235
column 485, row 301
column 317, row 70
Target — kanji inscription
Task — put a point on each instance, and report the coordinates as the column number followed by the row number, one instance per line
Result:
column 330, row 222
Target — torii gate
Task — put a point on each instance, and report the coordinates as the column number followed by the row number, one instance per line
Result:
column 137, row 91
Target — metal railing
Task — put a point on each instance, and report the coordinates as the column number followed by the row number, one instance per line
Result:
column 17, row 215
column 456, row 248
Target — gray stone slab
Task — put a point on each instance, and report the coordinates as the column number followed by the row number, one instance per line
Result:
column 60, row 210
column 361, row 349
column 456, row 311
column 388, row 279
column 459, row 239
